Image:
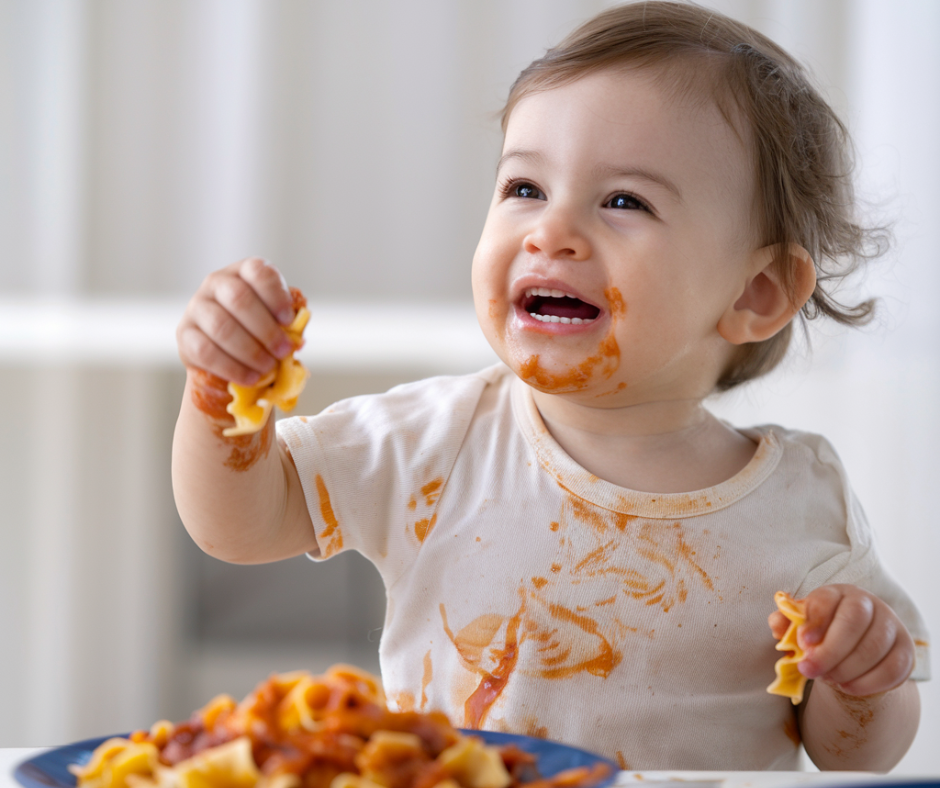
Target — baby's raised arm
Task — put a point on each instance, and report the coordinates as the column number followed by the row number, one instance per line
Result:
column 239, row 497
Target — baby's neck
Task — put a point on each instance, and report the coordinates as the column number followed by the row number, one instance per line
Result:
column 661, row 447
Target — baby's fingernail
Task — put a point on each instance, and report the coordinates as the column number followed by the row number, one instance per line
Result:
column 811, row 637
column 251, row 378
column 284, row 348
column 286, row 316
column 808, row 669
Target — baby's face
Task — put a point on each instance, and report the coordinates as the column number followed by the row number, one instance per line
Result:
column 619, row 233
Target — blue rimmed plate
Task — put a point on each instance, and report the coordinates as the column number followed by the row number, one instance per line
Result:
column 50, row 769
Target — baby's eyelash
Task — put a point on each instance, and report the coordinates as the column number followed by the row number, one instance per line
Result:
column 508, row 188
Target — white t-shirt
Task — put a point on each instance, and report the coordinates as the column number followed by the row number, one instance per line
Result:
column 527, row 595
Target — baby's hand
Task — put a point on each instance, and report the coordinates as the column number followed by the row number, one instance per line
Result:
column 233, row 325
column 852, row 640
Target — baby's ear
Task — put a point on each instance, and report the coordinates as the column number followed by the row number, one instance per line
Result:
column 766, row 306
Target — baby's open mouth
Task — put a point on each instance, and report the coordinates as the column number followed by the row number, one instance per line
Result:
column 556, row 306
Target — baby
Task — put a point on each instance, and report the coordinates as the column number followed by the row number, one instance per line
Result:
column 572, row 546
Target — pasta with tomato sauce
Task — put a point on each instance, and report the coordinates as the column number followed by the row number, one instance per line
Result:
column 297, row 730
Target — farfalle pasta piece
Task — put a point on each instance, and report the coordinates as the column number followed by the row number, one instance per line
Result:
column 471, row 763
column 252, row 405
column 789, row 682
column 230, row 765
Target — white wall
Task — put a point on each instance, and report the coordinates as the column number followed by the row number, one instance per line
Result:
column 144, row 144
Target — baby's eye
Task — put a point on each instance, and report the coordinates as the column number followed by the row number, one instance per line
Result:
column 527, row 190
column 523, row 189
column 626, row 202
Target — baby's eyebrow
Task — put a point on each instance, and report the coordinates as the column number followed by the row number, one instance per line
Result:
column 531, row 156
column 610, row 171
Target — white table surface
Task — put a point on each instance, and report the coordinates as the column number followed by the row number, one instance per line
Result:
column 10, row 757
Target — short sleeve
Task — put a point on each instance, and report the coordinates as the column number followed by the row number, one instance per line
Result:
column 368, row 463
column 860, row 565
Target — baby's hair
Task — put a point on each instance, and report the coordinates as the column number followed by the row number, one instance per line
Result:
column 802, row 151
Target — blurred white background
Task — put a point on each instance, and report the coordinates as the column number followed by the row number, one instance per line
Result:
column 145, row 143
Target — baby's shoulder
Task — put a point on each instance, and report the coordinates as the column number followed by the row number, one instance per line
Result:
column 811, row 446
column 438, row 405
column 804, row 459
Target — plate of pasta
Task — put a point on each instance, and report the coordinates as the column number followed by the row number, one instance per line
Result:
column 298, row 730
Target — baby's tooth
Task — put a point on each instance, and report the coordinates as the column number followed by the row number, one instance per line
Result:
column 557, row 294
column 565, row 319
column 577, row 321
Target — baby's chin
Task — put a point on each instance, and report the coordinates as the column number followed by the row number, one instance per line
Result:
column 588, row 378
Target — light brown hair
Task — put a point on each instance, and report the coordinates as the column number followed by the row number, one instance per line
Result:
column 802, row 152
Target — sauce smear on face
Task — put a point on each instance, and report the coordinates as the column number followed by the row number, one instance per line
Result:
column 575, row 378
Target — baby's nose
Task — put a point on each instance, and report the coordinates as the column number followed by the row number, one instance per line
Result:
column 558, row 233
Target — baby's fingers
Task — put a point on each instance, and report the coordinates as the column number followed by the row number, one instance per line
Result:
column 821, row 606
column 198, row 350
column 244, row 298
column 890, row 671
column 229, row 337
column 270, row 286
column 840, row 621
column 870, row 649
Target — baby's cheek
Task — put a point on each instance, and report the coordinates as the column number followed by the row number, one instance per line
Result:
column 496, row 316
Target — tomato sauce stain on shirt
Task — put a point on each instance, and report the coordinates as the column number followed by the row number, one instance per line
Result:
column 484, row 696
column 601, row 661
column 404, row 700
column 332, row 536
column 426, row 678
column 470, row 642
column 424, row 527
column 431, row 491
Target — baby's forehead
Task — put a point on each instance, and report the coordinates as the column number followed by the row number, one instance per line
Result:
column 645, row 109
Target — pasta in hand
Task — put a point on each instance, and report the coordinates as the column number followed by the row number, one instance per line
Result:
column 789, row 682
column 252, row 405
